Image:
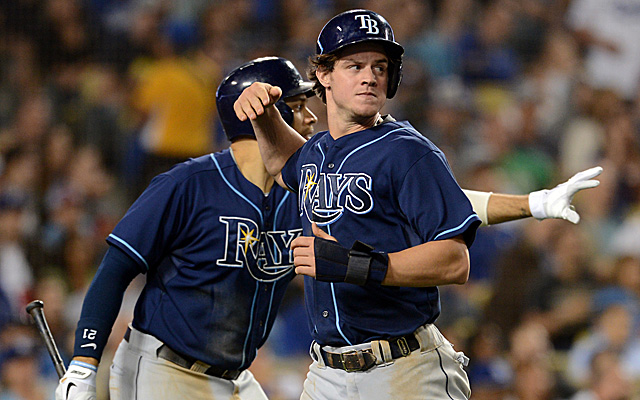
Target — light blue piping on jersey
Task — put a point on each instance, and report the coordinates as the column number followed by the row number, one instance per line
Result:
column 114, row 237
column 365, row 145
column 457, row 227
column 236, row 191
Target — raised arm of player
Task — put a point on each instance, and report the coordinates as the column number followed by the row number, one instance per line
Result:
column 494, row 208
column 276, row 139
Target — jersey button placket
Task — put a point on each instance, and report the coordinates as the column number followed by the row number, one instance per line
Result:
column 325, row 314
column 330, row 165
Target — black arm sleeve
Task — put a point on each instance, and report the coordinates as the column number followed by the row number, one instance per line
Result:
column 103, row 301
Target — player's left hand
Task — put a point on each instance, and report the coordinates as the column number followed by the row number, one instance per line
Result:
column 78, row 383
column 304, row 258
column 556, row 202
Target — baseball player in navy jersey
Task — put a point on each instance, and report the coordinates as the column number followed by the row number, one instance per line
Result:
column 213, row 237
column 395, row 224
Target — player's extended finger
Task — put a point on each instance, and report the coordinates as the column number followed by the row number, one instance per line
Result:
column 320, row 233
column 577, row 186
column 586, row 174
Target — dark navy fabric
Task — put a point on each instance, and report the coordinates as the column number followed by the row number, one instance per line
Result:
column 215, row 249
column 103, row 301
column 391, row 188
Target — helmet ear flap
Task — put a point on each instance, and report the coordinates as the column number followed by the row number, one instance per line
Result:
column 395, row 76
column 285, row 111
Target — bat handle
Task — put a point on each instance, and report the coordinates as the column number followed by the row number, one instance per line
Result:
column 35, row 309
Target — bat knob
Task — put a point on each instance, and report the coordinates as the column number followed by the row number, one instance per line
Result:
column 34, row 304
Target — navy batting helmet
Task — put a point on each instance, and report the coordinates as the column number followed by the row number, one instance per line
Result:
column 356, row 26
column 273, row 70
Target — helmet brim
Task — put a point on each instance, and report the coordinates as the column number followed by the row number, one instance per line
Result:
column 394, row 50
column 305, row 88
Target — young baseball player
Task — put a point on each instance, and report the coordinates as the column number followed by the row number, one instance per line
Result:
column 212, row 236
column 397, row 224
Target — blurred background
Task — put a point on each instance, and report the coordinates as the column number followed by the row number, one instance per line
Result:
column 98, row 96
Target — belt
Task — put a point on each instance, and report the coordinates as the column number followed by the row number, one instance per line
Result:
column 191, row 363
column 362, row 360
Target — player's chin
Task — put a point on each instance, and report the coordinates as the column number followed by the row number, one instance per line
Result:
column 368, row 106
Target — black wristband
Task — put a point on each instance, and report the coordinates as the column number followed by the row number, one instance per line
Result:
column 359, row 265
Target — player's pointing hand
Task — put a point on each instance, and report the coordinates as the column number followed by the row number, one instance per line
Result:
column 255, row 99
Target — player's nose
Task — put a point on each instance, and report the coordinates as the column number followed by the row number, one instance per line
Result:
column 309, row 117
column 369, row 76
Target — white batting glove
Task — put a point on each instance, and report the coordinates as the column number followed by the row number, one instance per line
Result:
column 556, row 202
column 78, row 383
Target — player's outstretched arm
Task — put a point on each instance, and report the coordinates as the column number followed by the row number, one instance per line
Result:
column 276, row 139
column 494, row 208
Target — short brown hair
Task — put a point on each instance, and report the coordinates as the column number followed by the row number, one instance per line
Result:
column 324, row 62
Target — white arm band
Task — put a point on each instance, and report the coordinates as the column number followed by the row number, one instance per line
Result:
column 479, row 202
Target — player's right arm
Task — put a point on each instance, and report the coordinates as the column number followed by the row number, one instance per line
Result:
column 276, row 139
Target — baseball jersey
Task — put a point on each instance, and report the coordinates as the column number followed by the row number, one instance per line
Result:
column 216, row 252
column 391, row 188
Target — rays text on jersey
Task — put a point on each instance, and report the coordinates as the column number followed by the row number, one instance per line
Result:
column 265, row 254
column 325, row 196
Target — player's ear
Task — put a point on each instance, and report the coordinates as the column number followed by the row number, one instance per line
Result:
column 323, row 76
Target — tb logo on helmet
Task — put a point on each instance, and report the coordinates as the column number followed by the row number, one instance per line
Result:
column 368, row 23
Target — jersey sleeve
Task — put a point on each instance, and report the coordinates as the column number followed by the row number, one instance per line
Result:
column 291, row 171
column 102, row 303
column 434, row 203
column 148, row 228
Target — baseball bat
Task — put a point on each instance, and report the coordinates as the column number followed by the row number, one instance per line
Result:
column 36, row 310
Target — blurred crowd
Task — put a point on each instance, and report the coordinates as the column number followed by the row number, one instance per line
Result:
column 98, row 96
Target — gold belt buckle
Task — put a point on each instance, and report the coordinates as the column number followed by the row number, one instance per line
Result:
column 350, row 363
column 199, row 366
column 403, row 346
